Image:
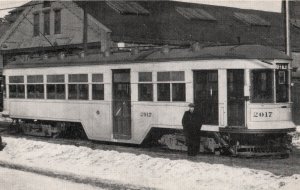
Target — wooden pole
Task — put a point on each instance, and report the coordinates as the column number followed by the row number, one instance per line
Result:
column 287, row 28
column 85, row 29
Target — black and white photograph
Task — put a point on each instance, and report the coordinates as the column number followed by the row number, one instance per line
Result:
column 150, row 95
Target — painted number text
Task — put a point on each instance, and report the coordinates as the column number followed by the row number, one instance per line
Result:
column 262, row 114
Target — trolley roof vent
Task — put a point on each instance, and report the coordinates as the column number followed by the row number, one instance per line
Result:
column 251, row 19
column 45, row 56
column 61, row 55
column 82, row 54
column 196, row 46
column 135, row 51
column 127, row 8
column 165, row 49
column 195, row 14
column 107, row 53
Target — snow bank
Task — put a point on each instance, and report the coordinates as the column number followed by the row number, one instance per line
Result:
column 141, row 170
column 19, row 180
column 296, row 138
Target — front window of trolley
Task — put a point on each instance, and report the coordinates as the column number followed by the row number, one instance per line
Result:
column 270, row 85
column 262, row 86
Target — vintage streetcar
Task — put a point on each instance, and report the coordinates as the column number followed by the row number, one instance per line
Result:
column 135, row 95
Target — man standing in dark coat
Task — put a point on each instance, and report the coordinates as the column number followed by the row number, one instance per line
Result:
column 192, row 123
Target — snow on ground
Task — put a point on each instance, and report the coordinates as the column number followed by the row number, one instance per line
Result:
column 140, row 170
column 19, row 180
column 296, row 138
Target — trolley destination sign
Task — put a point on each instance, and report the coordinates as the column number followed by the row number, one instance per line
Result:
column 282, row 66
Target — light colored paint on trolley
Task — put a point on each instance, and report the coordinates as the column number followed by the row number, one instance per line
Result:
column 96, row 115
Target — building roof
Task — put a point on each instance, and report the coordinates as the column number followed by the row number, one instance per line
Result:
column 172, row 22
column 164, row 54
column 181, row 23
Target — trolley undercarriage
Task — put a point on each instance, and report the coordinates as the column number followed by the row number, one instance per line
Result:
column 236, row 144
column 48, row 128
column 228, row 141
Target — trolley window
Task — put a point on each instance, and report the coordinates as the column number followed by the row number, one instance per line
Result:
column 171, row 86
column 78, row 87
column 282, row 86
column 3, row 86
column 262, row 86
column 35, row 87
column 97, row 87
column 16, row 79
column 145, row 86
column 56, row 87
column 16, row 87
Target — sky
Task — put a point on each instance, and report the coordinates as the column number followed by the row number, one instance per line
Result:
column 266, row 5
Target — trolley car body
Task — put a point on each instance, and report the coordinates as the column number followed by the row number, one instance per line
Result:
column 243, row 95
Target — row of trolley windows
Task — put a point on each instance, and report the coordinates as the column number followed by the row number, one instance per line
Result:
column 78, row 87
column 170, row 86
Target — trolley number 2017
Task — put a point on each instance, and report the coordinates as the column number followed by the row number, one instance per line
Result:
column 263, row 114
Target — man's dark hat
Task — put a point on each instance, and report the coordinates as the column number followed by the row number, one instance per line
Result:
column 191, row 105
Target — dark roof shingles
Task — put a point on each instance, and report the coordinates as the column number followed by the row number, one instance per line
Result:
column 164, row 25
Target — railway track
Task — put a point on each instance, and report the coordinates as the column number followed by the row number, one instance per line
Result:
column 149, row 149
column 288, row 166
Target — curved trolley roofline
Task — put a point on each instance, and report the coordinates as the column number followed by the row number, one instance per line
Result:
column 164, row 54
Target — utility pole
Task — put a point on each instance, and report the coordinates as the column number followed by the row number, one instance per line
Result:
column 85, row 29
column 287, row 27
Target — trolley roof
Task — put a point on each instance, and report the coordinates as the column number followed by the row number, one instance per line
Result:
column 162, row 54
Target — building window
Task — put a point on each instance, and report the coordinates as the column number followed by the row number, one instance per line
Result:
column 56, row 87
column 35, row 87
column 262, row 86
column 128, row 8
column 36, row 24
column 46, row 22
column 16, row 87
column 282, row 87
column 145, row 86
column 97, row 87
column 78, row 87
column 57, row 21
column 171, row 86
column 46, row 4
column 195, row 14
column 252, row 19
